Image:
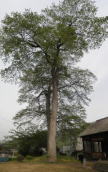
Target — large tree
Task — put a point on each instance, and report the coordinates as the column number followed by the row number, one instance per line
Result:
column 55, row 40
column 73, row 95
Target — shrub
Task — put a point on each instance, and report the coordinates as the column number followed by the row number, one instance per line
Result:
column 20, row 158
column 28, row 157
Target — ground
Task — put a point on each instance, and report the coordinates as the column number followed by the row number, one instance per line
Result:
column 43, row 167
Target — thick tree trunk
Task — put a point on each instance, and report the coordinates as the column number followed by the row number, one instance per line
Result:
column 48, row 99
column 52, row 122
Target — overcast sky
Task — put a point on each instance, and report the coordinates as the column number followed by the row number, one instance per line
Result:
column 95, row 60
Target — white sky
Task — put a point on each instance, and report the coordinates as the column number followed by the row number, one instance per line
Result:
column 96, row 61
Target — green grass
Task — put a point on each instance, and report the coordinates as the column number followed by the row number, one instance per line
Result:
column 60, row 159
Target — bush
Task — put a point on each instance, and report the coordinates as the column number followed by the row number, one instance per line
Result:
column 28, row 157
column 31, row 144
column 20, row 158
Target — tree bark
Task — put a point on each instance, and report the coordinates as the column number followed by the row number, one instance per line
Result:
column 52, row 122
column 48, row 99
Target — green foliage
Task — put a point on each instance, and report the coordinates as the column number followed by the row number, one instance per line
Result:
column 69, row 131
column 30, row 39
column 29, row 142
column 7, row 144
column 65, row 159
column 28, row 157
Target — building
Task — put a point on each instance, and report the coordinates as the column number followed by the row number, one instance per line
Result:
column 5, row 155
column 95, row 140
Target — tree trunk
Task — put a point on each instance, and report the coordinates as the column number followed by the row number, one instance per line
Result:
column 52, row 122
column 48, row 99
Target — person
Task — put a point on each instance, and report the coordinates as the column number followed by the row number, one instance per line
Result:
column 80, row 157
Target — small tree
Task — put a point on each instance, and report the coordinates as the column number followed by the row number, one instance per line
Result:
column 28, row 142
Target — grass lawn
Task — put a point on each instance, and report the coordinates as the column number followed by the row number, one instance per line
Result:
column 42, row 166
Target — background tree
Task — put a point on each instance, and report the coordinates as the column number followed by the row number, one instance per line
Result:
column 56, row 38
column 69, row 131
column 26, row 142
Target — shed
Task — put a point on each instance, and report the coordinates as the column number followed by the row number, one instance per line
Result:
column 95, row 139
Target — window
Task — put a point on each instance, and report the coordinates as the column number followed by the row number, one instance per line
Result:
column 97, row 147
column 87, row 146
